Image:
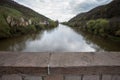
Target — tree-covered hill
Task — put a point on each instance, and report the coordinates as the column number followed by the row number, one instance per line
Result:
column 103, row 20
column 108, row 11
column 16, row 19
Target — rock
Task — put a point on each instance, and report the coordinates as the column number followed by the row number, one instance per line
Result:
column 9, row 19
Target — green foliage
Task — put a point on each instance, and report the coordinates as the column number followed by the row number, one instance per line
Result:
column 16, row 11
column 5, row 11
column 90, row 25
column 53, row 24
column 4, row 28
column 19, row 30
column 40, row 27
column 99, row 26
column 31, row 28
column 91, row 21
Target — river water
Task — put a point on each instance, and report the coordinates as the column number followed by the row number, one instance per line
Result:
column 60, row 39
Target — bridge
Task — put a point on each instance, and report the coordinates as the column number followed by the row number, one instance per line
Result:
column 59, row 66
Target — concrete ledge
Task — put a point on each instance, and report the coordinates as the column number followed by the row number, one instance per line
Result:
column 97, row 70
column 24, row 70
column 59, row 63
column 85, row 63
column 25, row 63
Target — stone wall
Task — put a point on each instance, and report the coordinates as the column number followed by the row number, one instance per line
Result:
column 59, row 77
column 60, row 66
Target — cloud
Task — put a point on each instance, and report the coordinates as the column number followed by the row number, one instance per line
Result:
column 61, row 10
column 88, row 5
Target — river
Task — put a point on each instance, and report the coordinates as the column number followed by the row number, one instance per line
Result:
column 60, row 39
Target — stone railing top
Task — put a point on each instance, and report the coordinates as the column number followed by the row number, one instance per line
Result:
column 84, row 59
column 60, row 62
column 18, row 59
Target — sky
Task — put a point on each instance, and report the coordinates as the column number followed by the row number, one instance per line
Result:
column 62, row 10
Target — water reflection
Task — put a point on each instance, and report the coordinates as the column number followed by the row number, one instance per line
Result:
column 103, row 43
column 17, row 43
column 60, row 39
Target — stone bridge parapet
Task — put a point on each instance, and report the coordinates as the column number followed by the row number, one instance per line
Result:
column 59, row 66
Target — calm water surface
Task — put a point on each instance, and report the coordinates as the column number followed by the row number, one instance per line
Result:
column 60, row 39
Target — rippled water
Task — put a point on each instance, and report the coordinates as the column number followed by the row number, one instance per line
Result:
column 60, row 39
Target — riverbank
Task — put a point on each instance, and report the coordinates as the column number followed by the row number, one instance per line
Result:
column 103, row 28
column 59, row 39
column 15, row 31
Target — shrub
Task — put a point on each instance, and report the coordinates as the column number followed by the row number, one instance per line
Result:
column 102, row 26
column 53, row 24
column 90, row 25
column 31, row 28
column 99, row 26
column 41, row 26
column 4, row 28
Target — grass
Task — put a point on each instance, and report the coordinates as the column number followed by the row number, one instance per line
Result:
column 4, row 28
column 9, row 11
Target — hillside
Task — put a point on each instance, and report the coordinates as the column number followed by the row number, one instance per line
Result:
column 16, row 19
column 105, row 11
column 103, row 20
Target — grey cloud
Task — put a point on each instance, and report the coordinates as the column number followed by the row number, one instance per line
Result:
column 62, row 10
column 86, row 6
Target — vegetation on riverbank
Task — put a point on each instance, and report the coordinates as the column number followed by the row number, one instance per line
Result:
column 16, row 19
column 103, row 21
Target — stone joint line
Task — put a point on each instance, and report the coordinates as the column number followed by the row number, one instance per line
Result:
column 48, row 69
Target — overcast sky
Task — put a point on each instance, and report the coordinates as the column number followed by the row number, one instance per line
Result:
column 62, row 10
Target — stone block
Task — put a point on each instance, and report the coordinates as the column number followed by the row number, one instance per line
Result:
column 106, row 77
column 91, row 77
column 54, row 77
column 115, row 77
column 72, row 77
column 111, row 77
column 11, row 77
column 32, row 78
